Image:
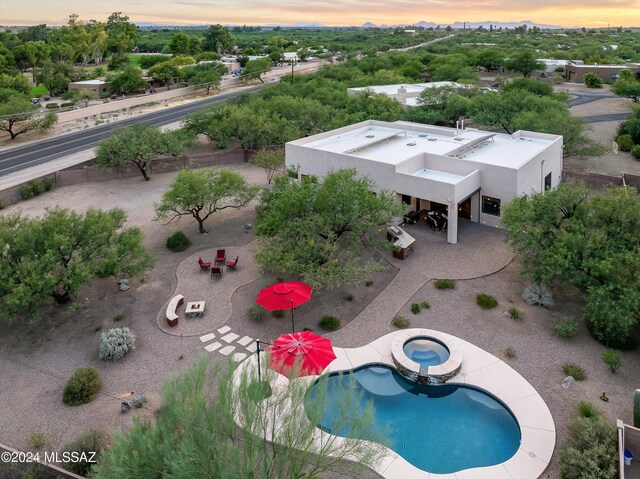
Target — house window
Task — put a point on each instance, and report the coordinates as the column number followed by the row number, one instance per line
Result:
column 406, row 200
column 547, row 182
column 491, row 206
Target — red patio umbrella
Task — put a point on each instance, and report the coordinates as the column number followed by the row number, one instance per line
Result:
column 305, row 352
column 287, row 295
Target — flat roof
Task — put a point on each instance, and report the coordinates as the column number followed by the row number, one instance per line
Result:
column 89, row 82
column 441, row 176
column 394, row 143
column 410, row 87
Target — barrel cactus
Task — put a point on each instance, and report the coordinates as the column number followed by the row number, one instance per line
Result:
column 636, row 408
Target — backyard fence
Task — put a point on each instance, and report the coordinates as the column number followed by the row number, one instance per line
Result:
column 597, row 181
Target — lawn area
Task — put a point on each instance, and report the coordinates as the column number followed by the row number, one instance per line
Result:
column 38, row 91
column 134, row 59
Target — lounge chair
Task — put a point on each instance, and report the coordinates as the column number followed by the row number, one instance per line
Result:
column 204, row 264
column 221, row 256
column 233, row 264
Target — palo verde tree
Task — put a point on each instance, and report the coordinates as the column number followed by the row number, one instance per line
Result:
column 196, row 431
column 200, row 193
column 314, row 229
column 271, row 161
column 139, row 145
column 49, row 258
column 254, row 69
column 524, row 62
column 18, row 116
column 206, row 75
column 627, row 86
column 587, row 240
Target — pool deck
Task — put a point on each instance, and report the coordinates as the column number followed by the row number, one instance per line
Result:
column 481, row 370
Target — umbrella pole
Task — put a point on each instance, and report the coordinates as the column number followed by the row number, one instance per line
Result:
column 293, row 325
column 258, row 353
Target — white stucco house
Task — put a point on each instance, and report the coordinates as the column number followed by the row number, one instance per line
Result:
column 407, row 94
column 467, row 173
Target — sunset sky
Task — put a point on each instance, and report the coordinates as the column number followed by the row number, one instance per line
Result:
column 588, row 13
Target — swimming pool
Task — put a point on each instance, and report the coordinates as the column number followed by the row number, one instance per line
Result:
column 426, row 351
column 439, row 429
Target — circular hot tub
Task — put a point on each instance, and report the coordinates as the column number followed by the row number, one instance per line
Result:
column 426, row 351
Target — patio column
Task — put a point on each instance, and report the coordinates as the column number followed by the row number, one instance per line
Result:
column 452, row 223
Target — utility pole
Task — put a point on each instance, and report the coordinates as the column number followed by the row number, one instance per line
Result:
column 292, row 70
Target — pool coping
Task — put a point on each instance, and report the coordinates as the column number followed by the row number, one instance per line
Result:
column 479, row 369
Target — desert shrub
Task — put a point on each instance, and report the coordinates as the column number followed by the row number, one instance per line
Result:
column 635, row 152
column 278, row 313
column 48, row 183
column 91, row 441
column 587, row 409
column 591, row 450
column 425, row 305
column 565, row 327
column 368, row 283
column 31, row 189
column 515, row 313
column 538, row 294
column 444, row 283
column 348, row 297
column 118, row 317
column 2, row 205
column 37, row 439
column 256, row 313
column 591, row 80
column 486, row 301
column 52, row 106
column 116, row 343
column 82, row 387
column 67, row 104
column 329, row 323
column 612, row 359
column 509, row 352
column 401, row 322
column 415, row 308
column 574, row 370
column 178, row 241
column 625, row 142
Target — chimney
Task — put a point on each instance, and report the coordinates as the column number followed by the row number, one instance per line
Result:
column 401, row 96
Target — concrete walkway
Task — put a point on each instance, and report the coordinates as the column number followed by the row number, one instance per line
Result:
column 480, row 251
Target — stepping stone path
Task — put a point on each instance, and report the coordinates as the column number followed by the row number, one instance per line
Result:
column 229, row 337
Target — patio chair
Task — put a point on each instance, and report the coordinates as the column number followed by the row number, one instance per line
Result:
column 204, row 264
column 221, row 256
column 216, row 271
column 233, row 264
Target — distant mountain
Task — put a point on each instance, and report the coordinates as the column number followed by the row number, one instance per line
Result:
column 369, row 25
column 424, row 24
column 308, row 25
column 487, row 24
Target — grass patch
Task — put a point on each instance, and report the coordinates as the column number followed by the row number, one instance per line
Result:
column 486, row 301
column 38, row 91
column 565, row 327
column 575, row 371
column 612, row 359
column 278, row 313
column 401, row 322
column 509, row 352
column 329, row 323
column 118, row 317
column 82, row 387
column 587, row 410
column 256, row 313
column 368, row 283
column 134, row 59
column 415, row 308
column 349, row 297
column 425, row 305
column 444, row 283
column 515, row 313
column 37, row 439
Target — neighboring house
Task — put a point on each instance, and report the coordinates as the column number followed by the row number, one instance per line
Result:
column 290, row 57
column 406, row 94
column 98, row 86
column 551, row 64
column 608, row 73
column 467, row 174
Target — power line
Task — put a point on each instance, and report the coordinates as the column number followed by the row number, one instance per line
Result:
column 186, row 421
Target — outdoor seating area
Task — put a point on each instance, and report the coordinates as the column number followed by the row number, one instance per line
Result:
column 193, row 309
column 434, row 219
column 217, row 266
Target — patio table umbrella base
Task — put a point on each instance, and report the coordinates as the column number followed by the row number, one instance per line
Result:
column 287, row 295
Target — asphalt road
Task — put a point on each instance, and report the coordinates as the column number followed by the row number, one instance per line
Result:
column 582, row 98
column 52, row 148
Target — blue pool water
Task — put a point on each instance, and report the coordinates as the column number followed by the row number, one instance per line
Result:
column 439, row 429
column 426, row 351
